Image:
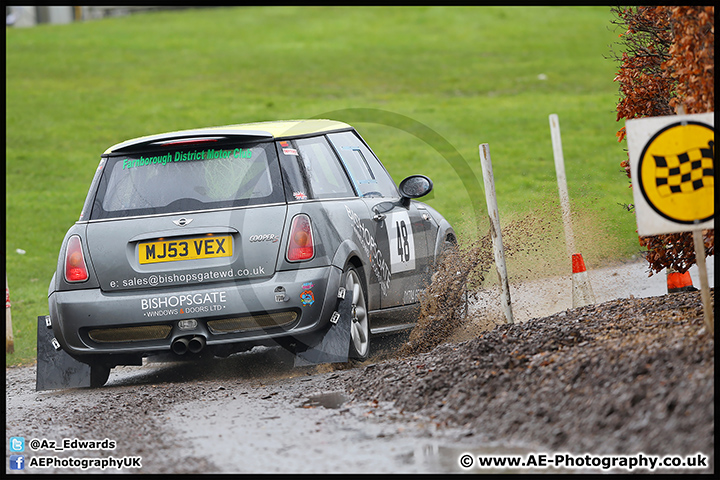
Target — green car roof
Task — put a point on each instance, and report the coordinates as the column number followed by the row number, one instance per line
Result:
column 274, row 129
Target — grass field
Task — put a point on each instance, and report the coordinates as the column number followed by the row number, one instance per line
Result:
column 424, row 85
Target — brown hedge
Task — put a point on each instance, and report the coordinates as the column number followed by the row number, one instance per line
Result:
column 667, row 68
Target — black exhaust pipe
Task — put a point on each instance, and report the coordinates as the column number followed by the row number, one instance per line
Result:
column 196, row 344
column 180, row 346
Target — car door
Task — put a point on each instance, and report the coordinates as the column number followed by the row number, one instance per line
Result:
column 398, row 231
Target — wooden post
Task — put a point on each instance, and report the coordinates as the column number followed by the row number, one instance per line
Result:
column 495, row 230
column 582, row 290
column 704, row 284
column 562, row 183
column 9, row 340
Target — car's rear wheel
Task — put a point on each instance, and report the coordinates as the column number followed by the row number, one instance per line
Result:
column 360, row 325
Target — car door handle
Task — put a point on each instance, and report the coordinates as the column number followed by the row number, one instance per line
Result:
column 379, row 217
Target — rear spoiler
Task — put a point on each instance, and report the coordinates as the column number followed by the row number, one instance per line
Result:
column 153, row 142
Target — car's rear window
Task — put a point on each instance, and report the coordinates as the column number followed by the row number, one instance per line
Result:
column 188, row 179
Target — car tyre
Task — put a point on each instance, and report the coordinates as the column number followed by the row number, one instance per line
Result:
column 360, row 324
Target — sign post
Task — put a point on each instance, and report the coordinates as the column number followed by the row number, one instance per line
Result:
column 672, row 161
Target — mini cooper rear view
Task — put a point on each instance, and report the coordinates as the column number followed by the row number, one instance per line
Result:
column 215, row 240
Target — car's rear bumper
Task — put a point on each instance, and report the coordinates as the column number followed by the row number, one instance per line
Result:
column 290, row 304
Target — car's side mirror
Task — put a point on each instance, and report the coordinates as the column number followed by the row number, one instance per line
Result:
column 414, row 186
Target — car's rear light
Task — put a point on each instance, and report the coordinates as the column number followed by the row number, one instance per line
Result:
column 300, row 244
column 75, row 268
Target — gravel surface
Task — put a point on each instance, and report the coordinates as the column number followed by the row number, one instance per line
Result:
column 628, row 376
column 622, row 377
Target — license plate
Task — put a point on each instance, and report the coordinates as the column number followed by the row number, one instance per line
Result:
column 185, row 249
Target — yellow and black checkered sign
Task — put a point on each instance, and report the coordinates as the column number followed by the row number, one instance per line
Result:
column 685, row 173
column 677, row 172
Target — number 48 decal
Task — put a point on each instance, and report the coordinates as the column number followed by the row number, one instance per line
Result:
column 402, row 245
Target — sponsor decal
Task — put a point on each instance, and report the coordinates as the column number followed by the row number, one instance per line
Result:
column 412, row 296
column 290, row 151
column 191, row 303
column 372, row 249
column 307, row 297
column 210, row 154
column 156, row 280
column 307, row 285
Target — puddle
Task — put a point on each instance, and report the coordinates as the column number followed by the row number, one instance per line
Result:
column 331, row 400
column 505, row 459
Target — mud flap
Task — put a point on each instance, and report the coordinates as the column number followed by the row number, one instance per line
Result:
column 334, row 345
column 55, row 368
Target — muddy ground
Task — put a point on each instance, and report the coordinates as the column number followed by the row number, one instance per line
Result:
column 626, row 376
column 622, row 377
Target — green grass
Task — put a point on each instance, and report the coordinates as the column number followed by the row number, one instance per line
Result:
column 424, row 85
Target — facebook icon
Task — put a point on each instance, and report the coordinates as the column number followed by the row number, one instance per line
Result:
column 17, row 462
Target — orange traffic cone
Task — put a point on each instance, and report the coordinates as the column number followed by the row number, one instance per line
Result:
column 582, row 291
column 679, row 282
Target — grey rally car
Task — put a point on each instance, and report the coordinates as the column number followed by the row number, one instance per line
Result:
column 215, row 240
